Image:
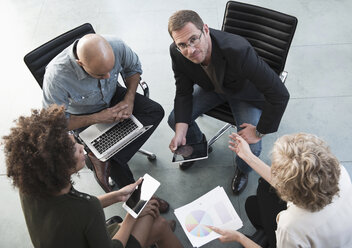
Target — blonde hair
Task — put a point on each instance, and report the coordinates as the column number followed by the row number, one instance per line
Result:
column 304, row 171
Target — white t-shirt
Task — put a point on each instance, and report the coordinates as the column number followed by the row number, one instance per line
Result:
column 329, row 227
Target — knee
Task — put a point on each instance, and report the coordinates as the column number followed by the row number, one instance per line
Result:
column 251, row 204
column 161, row 225
column 153, row 111
column 171, row 120
column 256, row 148
column 160, row 113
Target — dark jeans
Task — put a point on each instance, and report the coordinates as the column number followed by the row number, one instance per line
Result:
column 243, row 112
column 263, row 208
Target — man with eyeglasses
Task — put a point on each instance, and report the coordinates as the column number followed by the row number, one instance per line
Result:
column 212, row 67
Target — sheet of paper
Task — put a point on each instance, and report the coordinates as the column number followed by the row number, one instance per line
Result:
column 212, row 209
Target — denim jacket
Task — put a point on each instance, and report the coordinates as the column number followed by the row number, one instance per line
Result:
column 66, row 83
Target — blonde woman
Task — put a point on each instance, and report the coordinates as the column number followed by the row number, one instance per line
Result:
column 315, row 186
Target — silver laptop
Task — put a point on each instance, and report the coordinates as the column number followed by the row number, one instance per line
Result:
column 105, row 140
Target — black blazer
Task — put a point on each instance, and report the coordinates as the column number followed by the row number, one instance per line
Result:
column 241, row 72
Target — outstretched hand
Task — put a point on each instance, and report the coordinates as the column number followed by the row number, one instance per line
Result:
column 226, row 235
column 239, row 146
column 248, row 133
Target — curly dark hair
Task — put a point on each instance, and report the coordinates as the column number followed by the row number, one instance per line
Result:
column 39, row 152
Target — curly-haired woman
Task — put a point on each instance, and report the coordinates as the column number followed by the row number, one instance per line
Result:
column 41, row 157
column 315, row 186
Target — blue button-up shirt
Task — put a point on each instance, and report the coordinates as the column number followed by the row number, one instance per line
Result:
column 66, row 83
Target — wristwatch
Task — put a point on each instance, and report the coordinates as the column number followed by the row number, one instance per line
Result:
column 259, row 135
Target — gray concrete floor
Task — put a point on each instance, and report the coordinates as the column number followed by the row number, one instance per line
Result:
column 319, row 81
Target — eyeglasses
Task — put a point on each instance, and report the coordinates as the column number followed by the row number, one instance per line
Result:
column 192, row 42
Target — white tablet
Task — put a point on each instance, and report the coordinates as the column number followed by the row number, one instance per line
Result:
column 141, row 195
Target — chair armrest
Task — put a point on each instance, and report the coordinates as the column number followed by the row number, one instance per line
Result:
column 283, row 76
column 143, row 85
column 145, row 88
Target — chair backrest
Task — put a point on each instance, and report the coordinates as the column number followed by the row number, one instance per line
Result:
column 269, row 32
column 37, row 59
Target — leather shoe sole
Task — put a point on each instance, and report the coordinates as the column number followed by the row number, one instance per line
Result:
column 239, row 182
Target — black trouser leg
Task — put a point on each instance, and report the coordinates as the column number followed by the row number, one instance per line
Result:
column 147, row 112
column 121, row 173
column 263, row 208
column 252, row 210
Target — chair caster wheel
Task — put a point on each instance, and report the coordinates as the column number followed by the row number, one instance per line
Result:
column 151, row 157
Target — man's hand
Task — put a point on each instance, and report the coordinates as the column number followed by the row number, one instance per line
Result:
column 152, row 209
column 248, row 133
column 125, row 113
column 239, row 146
column 177, row 141
column 131, row 84
column 110, row 115
column 180, row 136
column 125, row 192
column 227, row 235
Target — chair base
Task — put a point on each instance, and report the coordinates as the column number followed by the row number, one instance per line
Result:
column 151, row 156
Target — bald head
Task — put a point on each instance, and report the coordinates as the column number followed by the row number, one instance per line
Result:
column 95, row 55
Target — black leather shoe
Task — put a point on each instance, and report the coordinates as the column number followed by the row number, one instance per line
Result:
column 185, row 165
column 112, row 220
column 239, row 182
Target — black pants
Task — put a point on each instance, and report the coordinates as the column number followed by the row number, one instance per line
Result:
column 263, row 208
column 147, row 112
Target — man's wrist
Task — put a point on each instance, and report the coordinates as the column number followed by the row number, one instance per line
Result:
column 94, row 118
column 258, row 134
column 129, row 98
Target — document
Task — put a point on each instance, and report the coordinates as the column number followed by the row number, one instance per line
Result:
column 212, row 209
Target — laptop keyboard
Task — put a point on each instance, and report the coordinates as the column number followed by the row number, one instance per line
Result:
column 113, row 135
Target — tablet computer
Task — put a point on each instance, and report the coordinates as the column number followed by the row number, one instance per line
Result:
column 141, row 195
column 191, row 152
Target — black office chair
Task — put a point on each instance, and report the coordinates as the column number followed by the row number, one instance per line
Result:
column 38, row 59
column 269, row 32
